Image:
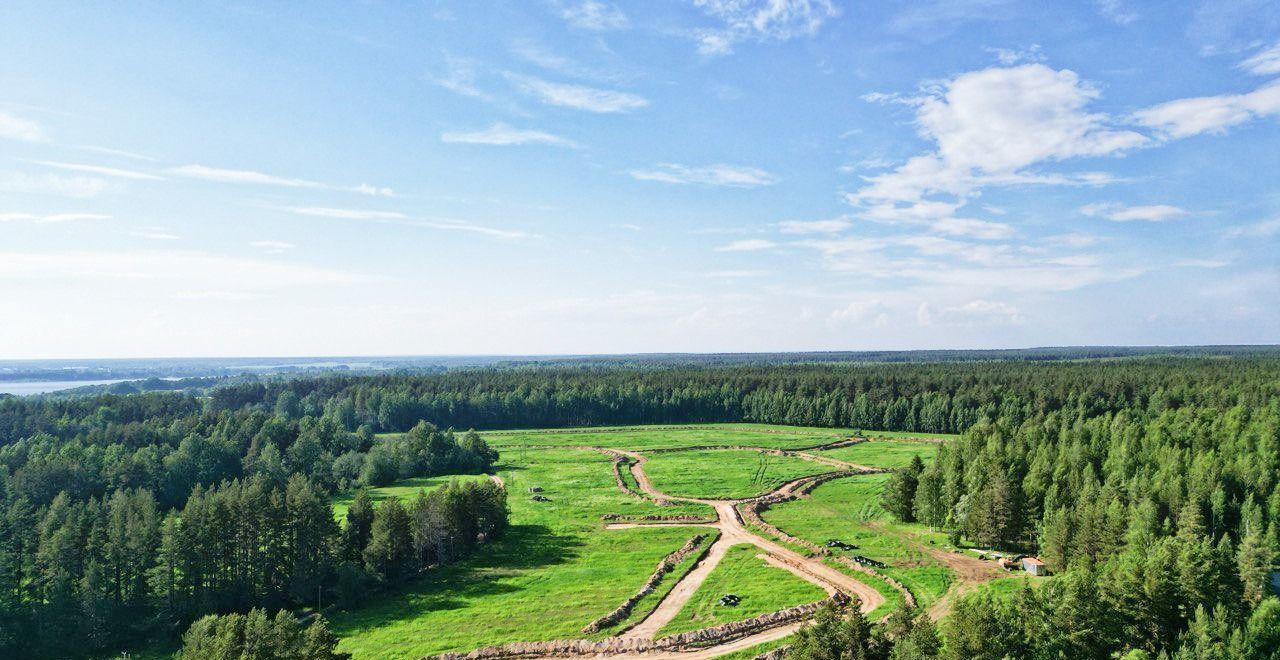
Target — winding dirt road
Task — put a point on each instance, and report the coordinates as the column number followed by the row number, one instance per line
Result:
column 734, row 532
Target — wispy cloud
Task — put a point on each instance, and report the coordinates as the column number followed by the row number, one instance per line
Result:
column 733, row 176
column 155, row 235
column 53, row 184
column 501, row 134
column 1265, row 62
column 13, row 127
column 1264, row 229
column 116, row 152
column 273, row 247
column 98, row 169
column 1117, row 11
column 1124, row 213
column 814, row 226
column 594, row 15
column 459, row 77
column 747, row 245
column 392, row 217
column 347, row 214
column 580, row 97
column 173, row 267
column 221, row 175
column 1210, row 114
column 1011, row 56
column 736, row 274
column 760, row 20
column 51, row 218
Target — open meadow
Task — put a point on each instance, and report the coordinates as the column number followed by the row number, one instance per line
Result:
column 849, row 510
column 760, row 586
column 725, row 473
column 560, row 566
column 554, row 571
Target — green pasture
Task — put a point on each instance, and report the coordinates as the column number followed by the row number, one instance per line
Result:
column 670, row 437
column 556, row 570
column 724, row 473
column 848, row 510
column 883, row 453
column 761, row 586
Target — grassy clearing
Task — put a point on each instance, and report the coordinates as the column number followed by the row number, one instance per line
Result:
column 761, row 586
column 724, row 473
column 1004, row 587
column 647, row 604
column 405, row 490
column 556, row 570
column 842, row 509
column 670, row 437
column 883, row 453
column 910, row 434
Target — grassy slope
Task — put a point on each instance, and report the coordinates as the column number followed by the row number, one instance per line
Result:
column 883, row 453
column 406, row 490
column 724, row 474
column 554, row 572
column 762, row 587
column 840, row 508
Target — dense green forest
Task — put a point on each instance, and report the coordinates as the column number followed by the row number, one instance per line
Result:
column 1148, row 484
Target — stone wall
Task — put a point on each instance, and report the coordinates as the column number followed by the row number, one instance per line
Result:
column 658, row 517
column 776, row 654
column 616, row 645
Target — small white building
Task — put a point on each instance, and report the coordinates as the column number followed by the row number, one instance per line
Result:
column 1034, row 566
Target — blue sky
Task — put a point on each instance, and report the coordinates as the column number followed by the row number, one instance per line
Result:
column 569, row 176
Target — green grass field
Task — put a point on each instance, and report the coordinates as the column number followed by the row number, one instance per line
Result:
column 883, row 453
column 761, row 586
column 646, row 605
column 842, row 509
column 405, row 490
column 556, row 570
column 910, row 434
column 724, row 473
column 669, row 437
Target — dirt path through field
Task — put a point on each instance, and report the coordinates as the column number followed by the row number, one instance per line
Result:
column 734, row 532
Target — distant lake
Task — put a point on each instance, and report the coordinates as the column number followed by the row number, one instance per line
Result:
column 24, row 387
